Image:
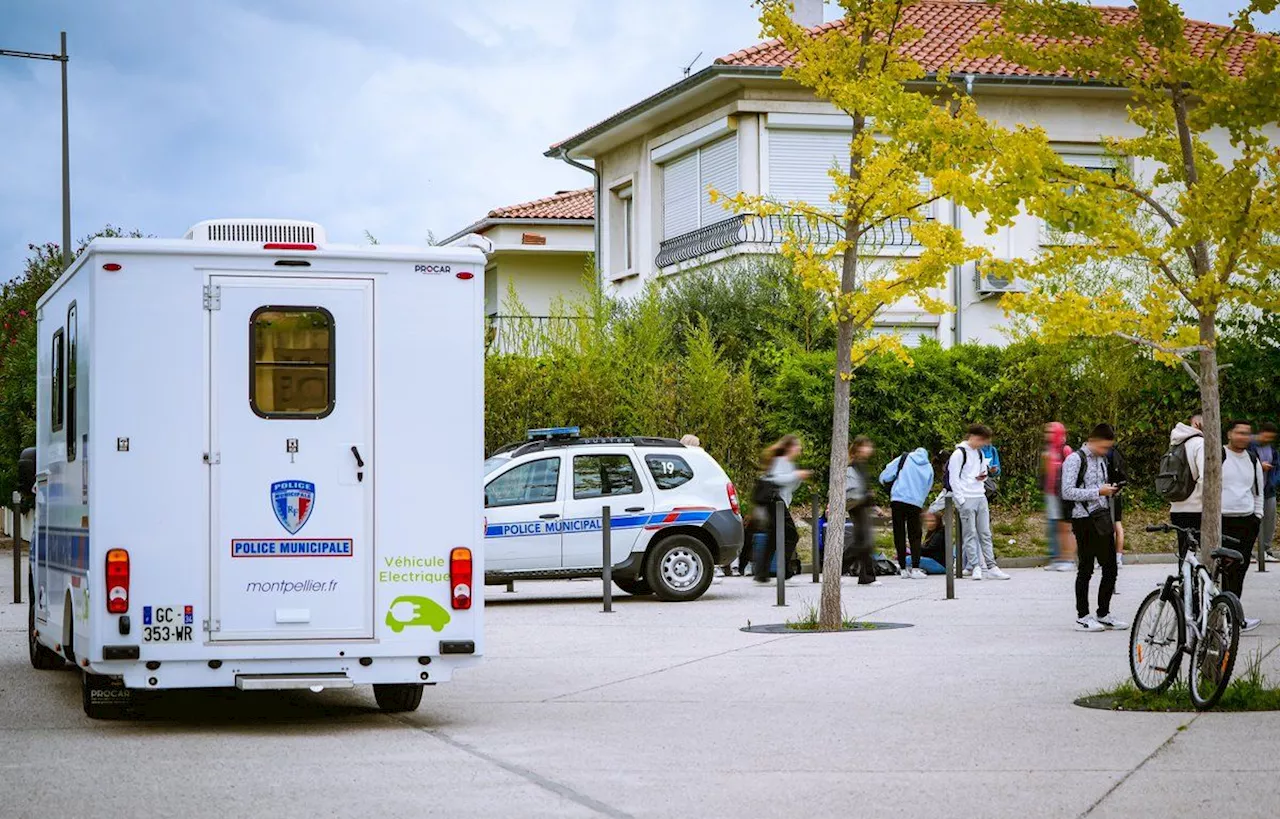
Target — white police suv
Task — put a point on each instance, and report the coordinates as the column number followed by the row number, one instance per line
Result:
column 673, row 512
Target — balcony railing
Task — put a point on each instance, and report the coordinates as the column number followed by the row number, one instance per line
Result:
column 747, row 229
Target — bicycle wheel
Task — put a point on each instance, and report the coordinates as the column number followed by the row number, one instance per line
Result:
column 1155, row 643
column 1214, row 655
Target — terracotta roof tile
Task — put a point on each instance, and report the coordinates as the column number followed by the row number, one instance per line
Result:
column 948, row 25
column 576, row 204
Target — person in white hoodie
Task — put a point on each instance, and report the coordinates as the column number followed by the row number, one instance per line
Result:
column 1243, row 485
column 966, row 477
column 1187, row 513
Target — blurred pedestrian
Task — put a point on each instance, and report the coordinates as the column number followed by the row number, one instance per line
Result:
column 782, row 474
column 859, row 503
column 910, row 477
column 1264, row 447
column 1062, row 542
column 690, row 440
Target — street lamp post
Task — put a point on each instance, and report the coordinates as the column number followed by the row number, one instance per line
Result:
column 61, row 57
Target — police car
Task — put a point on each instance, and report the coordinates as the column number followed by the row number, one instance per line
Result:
column 674, row 512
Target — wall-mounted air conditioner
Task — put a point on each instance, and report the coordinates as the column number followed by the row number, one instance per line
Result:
column 992, row 282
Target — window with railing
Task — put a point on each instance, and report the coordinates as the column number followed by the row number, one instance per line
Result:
column 687, row 180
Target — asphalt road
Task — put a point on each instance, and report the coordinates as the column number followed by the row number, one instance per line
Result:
column 671, row 710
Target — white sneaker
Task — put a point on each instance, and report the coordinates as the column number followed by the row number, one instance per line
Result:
column 1109, row 621
column 1119, row 560
column 1066, row 566
column 1251, row 623
column 996, row 574
column 919, row 574
column 905, row 574
column 977, row 573
column 1089, row 623
column 968, row 572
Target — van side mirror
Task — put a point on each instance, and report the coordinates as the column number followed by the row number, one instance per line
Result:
column 27, row 472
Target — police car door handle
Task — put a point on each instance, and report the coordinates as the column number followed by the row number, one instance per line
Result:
column 635, row 508
column 549, row 516
column 359, row 465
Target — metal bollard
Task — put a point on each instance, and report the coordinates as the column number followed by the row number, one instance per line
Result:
column 780, row 552
column 511, row 586
column 817, row 568
column 606, row 536
column 17, row 550
column 1262, row 555
column 949, row 526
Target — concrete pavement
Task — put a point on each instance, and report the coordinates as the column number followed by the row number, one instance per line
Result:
column 671, row 710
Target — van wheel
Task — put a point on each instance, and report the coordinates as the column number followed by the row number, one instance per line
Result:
column 679, row 568
column 635, row 586
column 42, row 658
column 394, row 698
column 104, row 697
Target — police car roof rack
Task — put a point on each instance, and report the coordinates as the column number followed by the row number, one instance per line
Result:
column 556, row 443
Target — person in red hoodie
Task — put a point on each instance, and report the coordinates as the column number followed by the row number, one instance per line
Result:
column 1062, row 543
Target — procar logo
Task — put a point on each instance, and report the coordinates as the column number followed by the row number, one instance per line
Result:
column 293, row 502
column 432, row 269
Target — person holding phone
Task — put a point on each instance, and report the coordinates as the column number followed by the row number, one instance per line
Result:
column 1087, row 487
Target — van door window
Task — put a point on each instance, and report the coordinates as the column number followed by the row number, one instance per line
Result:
column 534, row 482
column 292, row 362
column 598, row 476
column 55, row 381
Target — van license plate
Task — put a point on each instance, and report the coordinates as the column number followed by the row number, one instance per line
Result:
column 167, row 624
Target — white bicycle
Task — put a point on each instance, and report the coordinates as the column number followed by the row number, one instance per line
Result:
column 1188, row 614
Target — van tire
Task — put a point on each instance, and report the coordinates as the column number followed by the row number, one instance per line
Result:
column 675, row 558
column 634, row 586
column 102, row 698
column 395, row 698
column 43, row 658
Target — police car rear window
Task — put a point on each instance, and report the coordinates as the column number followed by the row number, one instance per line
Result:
column 669, row 471
column 292, row 349
column 598, row 476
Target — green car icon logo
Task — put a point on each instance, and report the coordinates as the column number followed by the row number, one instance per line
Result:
column 410, row 610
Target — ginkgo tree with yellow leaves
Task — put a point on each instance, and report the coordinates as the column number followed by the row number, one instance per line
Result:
column 1189, row 219
column 905, row 127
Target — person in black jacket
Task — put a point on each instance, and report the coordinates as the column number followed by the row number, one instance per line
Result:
column 1119, row 475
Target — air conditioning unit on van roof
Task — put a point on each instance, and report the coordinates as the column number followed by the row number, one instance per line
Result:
column 992, row 283
column 257, row 230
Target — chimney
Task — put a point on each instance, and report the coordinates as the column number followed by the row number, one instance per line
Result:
column 807, row 13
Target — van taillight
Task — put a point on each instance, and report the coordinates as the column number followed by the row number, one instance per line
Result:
column 460, row 577
column 117, row 581
column 733, row 499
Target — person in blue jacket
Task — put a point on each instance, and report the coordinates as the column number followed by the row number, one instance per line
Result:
column 911, row 477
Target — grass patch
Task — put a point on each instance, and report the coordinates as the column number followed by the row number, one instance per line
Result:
column 1248, row 691
column 808, row 621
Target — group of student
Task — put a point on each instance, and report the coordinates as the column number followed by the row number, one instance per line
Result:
column 1083, row 490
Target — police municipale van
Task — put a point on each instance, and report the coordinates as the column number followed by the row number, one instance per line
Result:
column 258, row 465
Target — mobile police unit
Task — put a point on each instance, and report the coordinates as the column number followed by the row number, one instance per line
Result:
column 258, row 464
column 674, row 512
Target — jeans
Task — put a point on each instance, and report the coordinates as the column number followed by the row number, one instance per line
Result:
column 1268, row 522
column 1244, row 529
column 1093, row 545
column 975, row 526
column 906, row 526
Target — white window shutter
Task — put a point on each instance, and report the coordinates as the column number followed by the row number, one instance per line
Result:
column 718, row 169
column 680, row 196
column 800, row 162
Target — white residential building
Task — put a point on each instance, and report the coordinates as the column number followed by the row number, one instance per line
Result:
column 738, row 125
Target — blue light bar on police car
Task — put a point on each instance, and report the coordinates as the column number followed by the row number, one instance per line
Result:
column 553, row 432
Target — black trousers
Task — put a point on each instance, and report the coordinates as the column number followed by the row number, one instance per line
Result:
column 1187, row 520
column 1093, row 545
column 1244, row 529
column 790, row 536
column 906, row 527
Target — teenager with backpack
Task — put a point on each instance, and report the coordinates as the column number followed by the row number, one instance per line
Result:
column 1087, row 490
column 1178, row 479
column 910, row 477
column 967, row 471
column 1242, row 505
column 1062, row 543
column 784, row 478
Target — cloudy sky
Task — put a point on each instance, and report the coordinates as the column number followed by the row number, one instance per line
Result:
column 400, row 117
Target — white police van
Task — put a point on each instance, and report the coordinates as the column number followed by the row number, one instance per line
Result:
column 241, row 475
column 674, row 512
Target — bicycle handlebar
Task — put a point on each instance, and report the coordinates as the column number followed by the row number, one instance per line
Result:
column 1169, row 527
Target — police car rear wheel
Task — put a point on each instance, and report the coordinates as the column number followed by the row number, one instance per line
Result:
column 679, row 568
column 394, row 698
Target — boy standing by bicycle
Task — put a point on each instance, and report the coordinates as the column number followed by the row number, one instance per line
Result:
column 1243, row 484
column 1086, row 488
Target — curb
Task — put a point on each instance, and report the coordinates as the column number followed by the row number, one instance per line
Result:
column 1034, row 562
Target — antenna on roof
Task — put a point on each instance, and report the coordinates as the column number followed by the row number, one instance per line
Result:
column 688, row 68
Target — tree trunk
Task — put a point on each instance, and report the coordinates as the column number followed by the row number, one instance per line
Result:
column 830, row 612
column 1211, row 412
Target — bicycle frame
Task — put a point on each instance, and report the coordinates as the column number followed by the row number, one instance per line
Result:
column 1196, row 580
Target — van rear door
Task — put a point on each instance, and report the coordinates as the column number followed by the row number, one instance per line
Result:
column 292, row 458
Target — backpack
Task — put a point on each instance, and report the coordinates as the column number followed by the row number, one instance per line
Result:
column 964, row 459
column 1069, row 506
column 1174, row 481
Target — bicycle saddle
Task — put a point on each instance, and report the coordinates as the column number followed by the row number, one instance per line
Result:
column 1223, row 553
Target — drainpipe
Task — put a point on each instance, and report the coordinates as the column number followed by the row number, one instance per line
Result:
column 598, row 197
column 958, row 270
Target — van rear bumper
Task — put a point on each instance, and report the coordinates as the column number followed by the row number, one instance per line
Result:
column 344, row 672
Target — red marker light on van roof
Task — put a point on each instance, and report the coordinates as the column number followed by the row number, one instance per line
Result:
column 466, row 274
column 112, row 266
column 288, row 246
